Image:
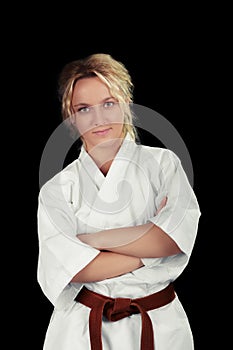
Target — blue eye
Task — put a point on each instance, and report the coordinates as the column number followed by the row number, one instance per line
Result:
column 84, row 109
column 109, row 104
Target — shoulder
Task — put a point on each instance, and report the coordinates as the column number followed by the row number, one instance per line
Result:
column 64, row 179
column 161, row 156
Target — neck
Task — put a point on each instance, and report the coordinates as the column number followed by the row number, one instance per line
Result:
column 104, row 154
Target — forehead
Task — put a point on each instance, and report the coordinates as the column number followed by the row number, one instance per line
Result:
column 90, row 90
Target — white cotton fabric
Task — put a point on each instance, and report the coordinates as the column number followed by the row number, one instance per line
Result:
column 80, row 199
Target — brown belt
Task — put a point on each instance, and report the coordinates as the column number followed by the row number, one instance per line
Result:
column 115, row 309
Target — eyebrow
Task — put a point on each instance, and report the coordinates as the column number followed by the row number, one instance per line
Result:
column 80, row 104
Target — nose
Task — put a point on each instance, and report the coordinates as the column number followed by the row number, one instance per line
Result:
column 98, row 115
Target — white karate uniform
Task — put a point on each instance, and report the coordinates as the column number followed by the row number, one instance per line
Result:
column 80, row 199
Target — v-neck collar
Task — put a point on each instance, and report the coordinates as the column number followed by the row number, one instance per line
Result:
column 126, row 150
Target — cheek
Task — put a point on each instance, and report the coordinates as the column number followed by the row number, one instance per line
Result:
column 83, row 126
column 116, row 117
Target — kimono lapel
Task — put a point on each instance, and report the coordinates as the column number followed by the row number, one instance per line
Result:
column 115, row 181
column 104, row 198
column 90, row 170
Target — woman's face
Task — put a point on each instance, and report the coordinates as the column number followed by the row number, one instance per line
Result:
column 98, row 116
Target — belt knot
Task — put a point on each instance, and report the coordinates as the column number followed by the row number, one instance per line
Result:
column 118, row 308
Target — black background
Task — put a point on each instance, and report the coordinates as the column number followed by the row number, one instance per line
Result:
column 171, row 64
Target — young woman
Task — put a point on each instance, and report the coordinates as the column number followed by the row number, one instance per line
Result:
column 116, row 226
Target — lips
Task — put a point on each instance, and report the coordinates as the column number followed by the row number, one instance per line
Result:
column 102, row 132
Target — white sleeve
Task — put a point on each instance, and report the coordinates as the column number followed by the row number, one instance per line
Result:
column 61, row 254
column 180, row 216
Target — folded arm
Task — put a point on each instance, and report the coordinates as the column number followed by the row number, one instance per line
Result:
column 150, row 242
column 147, row 241
column 107, row 265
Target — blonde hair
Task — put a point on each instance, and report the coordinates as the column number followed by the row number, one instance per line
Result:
column 111, row 72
